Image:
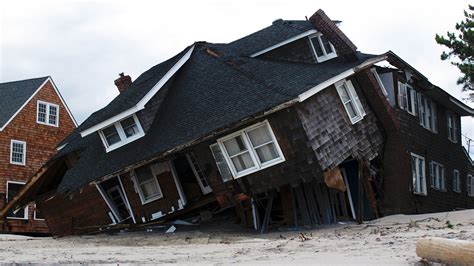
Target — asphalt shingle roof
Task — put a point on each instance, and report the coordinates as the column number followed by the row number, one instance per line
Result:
column 14, row 94
column 207, row 94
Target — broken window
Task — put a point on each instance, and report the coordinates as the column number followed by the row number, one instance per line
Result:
column 407, row 98
column 47, row 113
column 250, row 150
column 350, row 100
column 437, row 176
column 13, row 188
column 221, row 163
column 452, row 127
column 322, row 48
column 418, row 173
column 427, row 113
column 121, row 133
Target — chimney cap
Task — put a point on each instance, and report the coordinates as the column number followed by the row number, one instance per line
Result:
column 122, row 74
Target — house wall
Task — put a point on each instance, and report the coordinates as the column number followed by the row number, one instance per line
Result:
column 41, row 141
column 406, row 136
column 297, row 51
column 67, row 214
column 332, row 136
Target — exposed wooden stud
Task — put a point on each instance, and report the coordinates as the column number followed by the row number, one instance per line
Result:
column 268, row 211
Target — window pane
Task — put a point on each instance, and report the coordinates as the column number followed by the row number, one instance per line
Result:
column 259, row 136
column 317, row 46
column 242, row 162
column 326, row 44
column 234, row 146
column 344, row 93
column 41, row 112
column 111, row 135
column 150, row 189
column 53, row 114
column 351, row 110
column 17, row 152
column 267, row 153
column 129, row 127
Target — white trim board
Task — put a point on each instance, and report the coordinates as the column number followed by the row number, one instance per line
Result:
column 141, row 104
column 287, row 41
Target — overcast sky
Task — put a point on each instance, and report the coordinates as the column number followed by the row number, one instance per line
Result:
column 83, row 45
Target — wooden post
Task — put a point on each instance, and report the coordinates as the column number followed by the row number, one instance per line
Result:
column 360, row 202
column 446, row 251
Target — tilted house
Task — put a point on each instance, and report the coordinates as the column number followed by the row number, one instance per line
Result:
column 290, row 124
column 33, row 120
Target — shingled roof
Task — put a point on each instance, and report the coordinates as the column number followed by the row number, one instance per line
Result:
column 217, row 87
column 14, row 94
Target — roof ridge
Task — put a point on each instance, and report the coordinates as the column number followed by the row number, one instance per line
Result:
column 21, row 80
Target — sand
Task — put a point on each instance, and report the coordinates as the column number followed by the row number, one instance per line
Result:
column 386, row 241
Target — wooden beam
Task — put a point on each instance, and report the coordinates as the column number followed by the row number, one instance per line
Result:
column 446, row 251
column 360, row 192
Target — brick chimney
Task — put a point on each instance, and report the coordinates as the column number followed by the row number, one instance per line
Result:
column 328, row 28
column 123, row 82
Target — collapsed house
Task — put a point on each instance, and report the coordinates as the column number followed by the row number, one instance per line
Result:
column 290, row 124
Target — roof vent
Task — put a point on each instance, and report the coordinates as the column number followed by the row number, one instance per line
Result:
column 277, row 21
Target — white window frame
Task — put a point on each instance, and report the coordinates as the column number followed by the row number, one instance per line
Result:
column 419, row 175
column 457, row 183
column 123, row 138
column 253, row 154
column 452, row 125
column 326, row 55
column 25, row 216
column 379, row 81
column 406, row 91
column 427, row 113
column 354, row 99
column 23, row 143
column 155, row 179
column 470, row 185
column 34, row 215
column 437, row 176
column 48, row 107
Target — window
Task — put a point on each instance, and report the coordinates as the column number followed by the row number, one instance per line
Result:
column 470, row 185
column 418, row 173
column 452, row 127
column 407, row 98
column 13, row 188
column 351, row 101
column 379, row 81
column 121, row 133
column 437, row 176
column 456, row 181
column 147, row 181
column 221, row 163
column 322, row 48
column 427, row 110
column 17, row 152
column 47, row 114
column 251, row 149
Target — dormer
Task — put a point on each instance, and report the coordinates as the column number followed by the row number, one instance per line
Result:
column 121, row 133
column 323, row 50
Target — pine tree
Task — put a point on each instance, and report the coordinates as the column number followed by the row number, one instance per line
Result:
column 461, row 49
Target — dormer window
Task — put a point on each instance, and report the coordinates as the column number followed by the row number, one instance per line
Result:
column 121, row 133
column 322, row 48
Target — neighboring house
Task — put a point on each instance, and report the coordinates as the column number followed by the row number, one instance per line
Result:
column 291, row 125
column 33, row 119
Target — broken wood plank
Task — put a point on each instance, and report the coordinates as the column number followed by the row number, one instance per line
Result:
column 447, row 251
